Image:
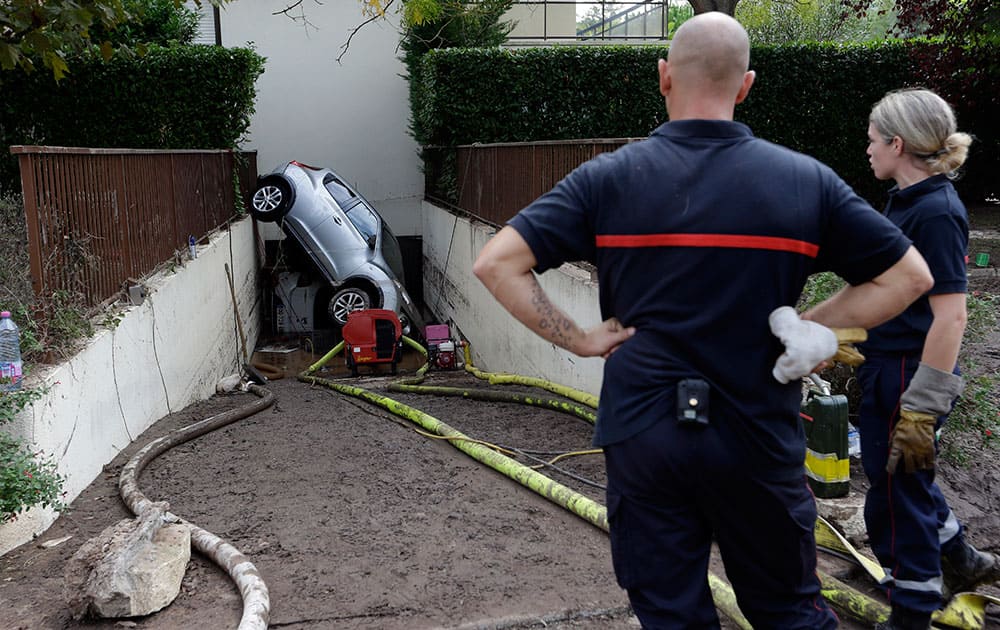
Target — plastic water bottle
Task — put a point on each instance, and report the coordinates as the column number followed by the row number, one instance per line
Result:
column 192, row 250
column 853, row 441
column 10, row 354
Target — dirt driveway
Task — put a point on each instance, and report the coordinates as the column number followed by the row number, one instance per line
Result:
column 356, row 520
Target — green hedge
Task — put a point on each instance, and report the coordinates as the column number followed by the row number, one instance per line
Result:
column 816, row 99
column 185, row 97
column 812, row 97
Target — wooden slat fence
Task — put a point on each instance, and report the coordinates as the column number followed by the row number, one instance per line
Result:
column 97, row 217
column 495, row 181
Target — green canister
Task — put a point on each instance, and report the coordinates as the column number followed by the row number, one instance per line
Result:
column 828, row 465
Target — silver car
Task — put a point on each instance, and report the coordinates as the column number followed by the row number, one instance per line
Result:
column 351, row 245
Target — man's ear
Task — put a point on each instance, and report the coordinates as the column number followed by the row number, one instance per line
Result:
column 664, row 71
column 745, row 88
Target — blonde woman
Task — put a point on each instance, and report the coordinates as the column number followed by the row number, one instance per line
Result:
column 910, row 380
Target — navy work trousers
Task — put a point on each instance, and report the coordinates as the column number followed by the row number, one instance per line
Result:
column 670, row 489
column 909, row 522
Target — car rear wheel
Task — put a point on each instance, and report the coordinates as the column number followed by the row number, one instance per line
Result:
column 345, row 301
column 273, row 198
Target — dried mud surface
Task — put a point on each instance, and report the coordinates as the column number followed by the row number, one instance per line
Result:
column 356, row 520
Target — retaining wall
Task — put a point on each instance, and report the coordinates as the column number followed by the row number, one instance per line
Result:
column 172, row 349
column 499, row 342
column 163, row 355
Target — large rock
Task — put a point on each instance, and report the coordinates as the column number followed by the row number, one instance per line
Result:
column 132, row 568
column 847, row 514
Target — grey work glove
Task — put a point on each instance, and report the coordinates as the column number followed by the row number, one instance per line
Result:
column 929, row 395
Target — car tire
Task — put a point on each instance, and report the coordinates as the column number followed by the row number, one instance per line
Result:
column 273, row 198
column 345, row 301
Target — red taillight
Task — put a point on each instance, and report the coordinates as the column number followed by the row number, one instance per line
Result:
column 312, row 168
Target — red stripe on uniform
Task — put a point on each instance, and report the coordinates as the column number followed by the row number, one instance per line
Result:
column 709, row 240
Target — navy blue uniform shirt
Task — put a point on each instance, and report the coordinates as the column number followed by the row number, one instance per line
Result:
column 935, row 219
column 698, row 233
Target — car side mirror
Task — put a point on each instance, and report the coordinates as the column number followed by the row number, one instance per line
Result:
column 372, row 240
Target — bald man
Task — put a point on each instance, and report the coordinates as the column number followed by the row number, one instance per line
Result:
column 698, row 233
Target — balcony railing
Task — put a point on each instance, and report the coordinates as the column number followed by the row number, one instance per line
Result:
column 566, row 21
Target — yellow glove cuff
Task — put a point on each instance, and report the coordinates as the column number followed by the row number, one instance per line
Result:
column 846, row 353
column 917, row 417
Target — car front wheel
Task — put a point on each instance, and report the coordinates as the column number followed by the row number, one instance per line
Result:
column 345, row 301
column 273, row 198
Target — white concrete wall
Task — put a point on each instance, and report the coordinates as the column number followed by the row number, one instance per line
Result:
column 165, row 354
column 499, row 342
column 350, row 116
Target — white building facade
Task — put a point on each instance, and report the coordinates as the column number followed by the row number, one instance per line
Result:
column 351, row 116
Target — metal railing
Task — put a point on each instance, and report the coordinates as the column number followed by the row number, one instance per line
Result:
column 98, row 217
column 494, row 181
column 542, row 21
column 644, row 20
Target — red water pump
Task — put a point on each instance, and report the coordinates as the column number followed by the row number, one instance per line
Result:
column 441, row 348
column 372, row 335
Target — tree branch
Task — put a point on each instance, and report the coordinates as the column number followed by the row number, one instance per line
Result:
column 354, row 31
column 288, row 8
column 301, row 17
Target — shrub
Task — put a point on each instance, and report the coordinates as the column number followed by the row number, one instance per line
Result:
column 182, row 97
column 799, row 100
column 27, row 478
column 160, row 22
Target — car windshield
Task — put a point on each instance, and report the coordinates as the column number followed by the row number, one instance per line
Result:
column 340, row 193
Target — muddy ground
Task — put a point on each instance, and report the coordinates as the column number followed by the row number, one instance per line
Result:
column 356, row 520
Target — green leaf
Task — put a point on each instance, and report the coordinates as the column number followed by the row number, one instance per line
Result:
column 37, row 42
column 58, row 65
column 9, row 56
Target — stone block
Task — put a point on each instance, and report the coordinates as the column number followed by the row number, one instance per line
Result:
column 132, row 568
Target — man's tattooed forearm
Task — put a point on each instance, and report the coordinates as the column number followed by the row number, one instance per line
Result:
column 556, row 326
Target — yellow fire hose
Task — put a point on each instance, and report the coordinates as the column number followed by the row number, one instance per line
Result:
column 495, row 396
column 550, row 489
column 507, row 379
column 965, row 612
column 584, row 507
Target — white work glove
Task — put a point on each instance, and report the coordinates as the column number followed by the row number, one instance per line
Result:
column 807, row 344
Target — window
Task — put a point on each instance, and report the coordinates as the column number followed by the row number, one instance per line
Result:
column 365, row 220
column 391, row 253
column 340, row 192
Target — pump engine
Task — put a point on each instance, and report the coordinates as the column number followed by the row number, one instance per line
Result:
column 441, row 348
